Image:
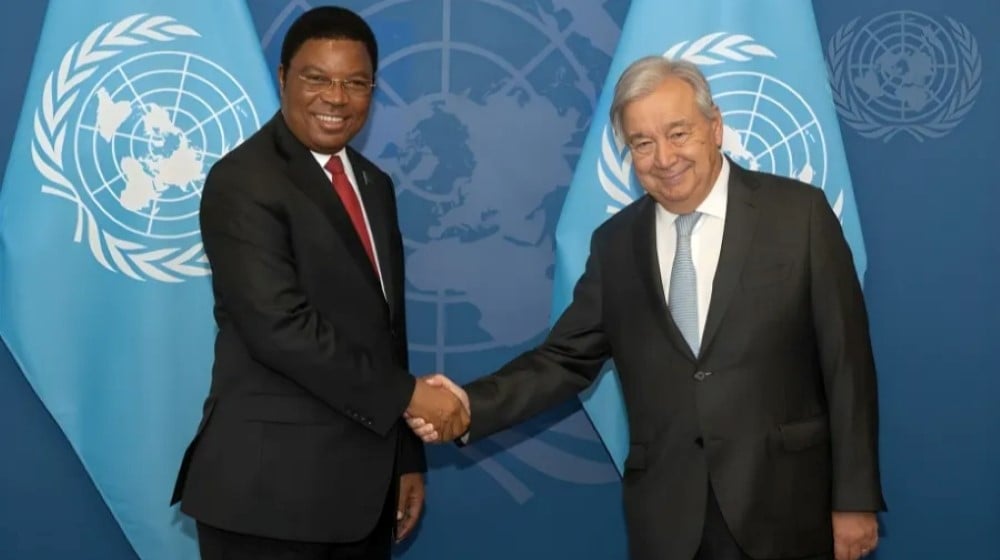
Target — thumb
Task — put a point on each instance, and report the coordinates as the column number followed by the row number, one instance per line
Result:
column 436, row 380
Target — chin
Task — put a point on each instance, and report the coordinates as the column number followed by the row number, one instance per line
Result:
column 328, row 145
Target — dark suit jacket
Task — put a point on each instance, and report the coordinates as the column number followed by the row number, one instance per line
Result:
column 779, row 410
column 301, row 437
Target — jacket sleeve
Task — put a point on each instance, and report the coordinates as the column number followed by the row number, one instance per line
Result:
column 841, row 325
column 567, row 362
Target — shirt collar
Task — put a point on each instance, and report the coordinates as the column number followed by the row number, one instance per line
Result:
column 323, row 158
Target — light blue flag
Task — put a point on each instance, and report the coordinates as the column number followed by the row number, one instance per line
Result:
column 765, row 65
column 105, row 299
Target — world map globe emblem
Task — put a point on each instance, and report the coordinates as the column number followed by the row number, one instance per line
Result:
column 905, row 64
column 147, row 133
column 768, row 126
column 477, row 224
column 904, row 71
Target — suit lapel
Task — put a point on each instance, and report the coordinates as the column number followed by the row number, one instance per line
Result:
column 741, row 222
column 374, row 193
column 307, row 175
column 644, row 243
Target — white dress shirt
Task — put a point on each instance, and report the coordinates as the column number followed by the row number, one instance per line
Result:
column 349, row 171
column 706, row 243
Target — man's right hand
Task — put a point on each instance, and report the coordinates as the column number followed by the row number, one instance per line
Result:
column 437, row 406
column 430, row 431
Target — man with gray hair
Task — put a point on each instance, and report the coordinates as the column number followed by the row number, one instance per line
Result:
column 729, row 301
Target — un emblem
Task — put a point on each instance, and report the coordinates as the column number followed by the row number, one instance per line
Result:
column 142, row 138
column 904, row 72
column 767, row 125
column 477, row 231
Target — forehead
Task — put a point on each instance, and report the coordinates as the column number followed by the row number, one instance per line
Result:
column 673, row 101
column 340, row 55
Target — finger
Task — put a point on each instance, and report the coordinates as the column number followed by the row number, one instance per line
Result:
column 840, row 550
column 451, row 385
column 441, row 380
column 408, row 519
column 415, row 423
column 430, row 438
column 400, row 506
column 416, row 507
column 424, row 430
column 403, row 526
column 450, row 431
column 436, row 380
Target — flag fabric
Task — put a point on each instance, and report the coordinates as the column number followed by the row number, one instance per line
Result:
column 105, row 296
column 765, row 65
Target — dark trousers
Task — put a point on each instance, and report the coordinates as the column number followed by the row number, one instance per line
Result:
column 718, row 543
column 218, row 544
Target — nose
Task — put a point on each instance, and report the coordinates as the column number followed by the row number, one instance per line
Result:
column 334, row 94
column 665, row 154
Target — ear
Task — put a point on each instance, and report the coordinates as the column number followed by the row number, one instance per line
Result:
column 281, row 78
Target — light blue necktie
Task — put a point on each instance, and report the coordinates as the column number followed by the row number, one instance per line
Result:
column 683, row 297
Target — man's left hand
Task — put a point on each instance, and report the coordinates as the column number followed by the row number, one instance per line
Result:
column 855, row 534
column 411, row 503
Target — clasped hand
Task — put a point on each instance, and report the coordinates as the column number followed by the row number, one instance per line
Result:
column 439, row 410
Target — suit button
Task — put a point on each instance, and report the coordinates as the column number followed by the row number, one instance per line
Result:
column 702, row 375
column 699, row 442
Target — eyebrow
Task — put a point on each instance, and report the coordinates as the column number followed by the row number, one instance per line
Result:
column 311, row 68
column 675, row 124
column 669, row 126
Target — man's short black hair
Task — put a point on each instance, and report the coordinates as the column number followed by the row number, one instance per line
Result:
column 328, row 22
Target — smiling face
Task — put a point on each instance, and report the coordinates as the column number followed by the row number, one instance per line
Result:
column 675, row 147
column 325, row 119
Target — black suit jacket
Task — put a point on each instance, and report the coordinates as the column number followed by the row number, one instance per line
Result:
column 778, row 411
column 301, row 437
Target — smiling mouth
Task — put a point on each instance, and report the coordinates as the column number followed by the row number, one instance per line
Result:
column 330, row 121
column 674, row 177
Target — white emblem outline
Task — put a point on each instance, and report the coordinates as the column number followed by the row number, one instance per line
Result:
column 867, row 124
column 59, row 94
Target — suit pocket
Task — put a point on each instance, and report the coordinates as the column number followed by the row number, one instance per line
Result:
column 803, row 434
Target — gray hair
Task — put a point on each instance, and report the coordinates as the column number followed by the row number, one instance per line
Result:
column 643, row 76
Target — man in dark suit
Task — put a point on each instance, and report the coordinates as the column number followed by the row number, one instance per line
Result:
column 302, row 451
column 729, row 302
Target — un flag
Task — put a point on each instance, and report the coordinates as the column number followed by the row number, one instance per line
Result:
column 765, row 65
column 105, row 299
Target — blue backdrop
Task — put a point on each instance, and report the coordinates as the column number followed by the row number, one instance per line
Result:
column 480, row 116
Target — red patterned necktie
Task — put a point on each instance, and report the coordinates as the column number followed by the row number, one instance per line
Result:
column 345, row 191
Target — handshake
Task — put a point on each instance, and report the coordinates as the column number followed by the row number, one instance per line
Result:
column 438, row 410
